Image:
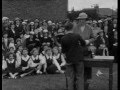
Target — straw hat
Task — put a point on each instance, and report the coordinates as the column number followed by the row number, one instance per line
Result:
column 31, row 23
column 4, row 18
column 99, row 21
column 94, row 22
column 45, row 31
column 82, row 16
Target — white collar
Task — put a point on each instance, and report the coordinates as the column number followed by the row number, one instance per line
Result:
column 57, row 56
column 10, row 61
column 48, row 56
column 33, row 58
column 25, row 58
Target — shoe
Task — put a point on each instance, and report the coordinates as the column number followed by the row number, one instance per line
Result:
column 39, row 72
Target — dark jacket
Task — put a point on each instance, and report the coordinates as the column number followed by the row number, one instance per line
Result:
column 72, row 47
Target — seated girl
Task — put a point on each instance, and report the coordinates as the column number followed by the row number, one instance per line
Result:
column 25, row 64
column 59, row 57
column 12, row 70
column 52, row 64
column 35, row 61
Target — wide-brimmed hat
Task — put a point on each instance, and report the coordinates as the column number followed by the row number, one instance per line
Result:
column 45, row 31
column 99, row 21
column 4, row 18
column 36, row 21
column 94, row 21
column 82, row 16
column 17, row 19
column 31, row 23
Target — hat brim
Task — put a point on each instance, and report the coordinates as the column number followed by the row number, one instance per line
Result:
column 81, row 18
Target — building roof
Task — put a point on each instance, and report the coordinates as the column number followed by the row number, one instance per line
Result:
column 107, row 12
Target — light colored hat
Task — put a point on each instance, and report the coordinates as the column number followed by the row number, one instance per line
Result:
column 82, row 16
column 31, row 33
column 53, row 23
column 26, row 20
column 24, row 23
column 99, row 21
column 94, row 22
column 36, row 20
column 31, row 23
column 45, row 31
column 4, row 18
column 17, row 18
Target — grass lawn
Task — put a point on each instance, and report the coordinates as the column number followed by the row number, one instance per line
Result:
column 57, row 82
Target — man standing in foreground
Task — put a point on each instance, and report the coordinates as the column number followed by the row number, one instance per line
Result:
column 86, row 32
column 72, row 45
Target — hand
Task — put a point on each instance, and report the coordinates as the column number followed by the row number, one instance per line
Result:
column 24, row 68
column 87, row 42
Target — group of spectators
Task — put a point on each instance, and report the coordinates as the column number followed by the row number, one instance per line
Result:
column 34, row 47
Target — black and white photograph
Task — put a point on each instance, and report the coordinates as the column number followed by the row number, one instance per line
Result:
column 59, row 45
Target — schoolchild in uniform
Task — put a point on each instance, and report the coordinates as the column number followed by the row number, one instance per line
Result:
column 12, row 70
column 59, row 57
column 25, row 65
column 52, row 64
column 35, row 61
column 43, row 49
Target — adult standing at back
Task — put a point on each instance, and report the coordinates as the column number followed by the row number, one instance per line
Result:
column 72, row 46
column 85, row 31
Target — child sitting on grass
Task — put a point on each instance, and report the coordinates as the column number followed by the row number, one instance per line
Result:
column 12, row 70
column 25, row 66
column 59, row 57
column 52, row 64
column 35, row 61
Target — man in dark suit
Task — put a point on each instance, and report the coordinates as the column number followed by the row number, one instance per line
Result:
column 72, row 48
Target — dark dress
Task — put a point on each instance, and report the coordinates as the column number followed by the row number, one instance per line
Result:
column 51, row 68
column 60, row 61
column 24, row 64
column 11, row 67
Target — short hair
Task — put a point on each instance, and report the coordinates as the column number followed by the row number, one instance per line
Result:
column 68, row 26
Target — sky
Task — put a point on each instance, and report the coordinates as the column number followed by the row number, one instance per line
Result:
column 80, row 4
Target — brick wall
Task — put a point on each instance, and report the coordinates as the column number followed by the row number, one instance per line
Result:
column 42, row 9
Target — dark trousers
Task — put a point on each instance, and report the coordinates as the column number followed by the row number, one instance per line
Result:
column 75, row 76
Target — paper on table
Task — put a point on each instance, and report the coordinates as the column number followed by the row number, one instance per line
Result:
column 103, row 57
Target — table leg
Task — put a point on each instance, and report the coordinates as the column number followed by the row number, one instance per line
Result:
column 110, row 77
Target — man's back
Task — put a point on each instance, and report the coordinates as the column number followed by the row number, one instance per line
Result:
column 72, row 47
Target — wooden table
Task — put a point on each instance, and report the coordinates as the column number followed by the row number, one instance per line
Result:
column 103, row 63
